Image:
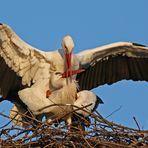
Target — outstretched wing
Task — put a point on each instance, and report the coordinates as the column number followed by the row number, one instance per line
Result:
column 111, row 63
column 20, row 64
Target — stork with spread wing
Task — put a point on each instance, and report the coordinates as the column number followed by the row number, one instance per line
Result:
column 23, row 66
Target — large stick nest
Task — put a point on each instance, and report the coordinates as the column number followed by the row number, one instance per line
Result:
column 98, row 133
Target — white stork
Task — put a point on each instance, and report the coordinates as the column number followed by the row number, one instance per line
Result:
column 61, row 94
column 23, row 66
column 61, row 102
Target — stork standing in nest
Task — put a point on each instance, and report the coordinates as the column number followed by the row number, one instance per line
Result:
column 61, row 102
column 25, row 67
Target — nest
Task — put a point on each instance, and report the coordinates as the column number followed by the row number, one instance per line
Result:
column 98, row 132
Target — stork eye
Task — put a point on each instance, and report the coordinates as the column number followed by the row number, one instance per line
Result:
column 65, row 47
column 57, row 73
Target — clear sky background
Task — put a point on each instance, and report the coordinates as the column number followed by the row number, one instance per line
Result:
column 91, row 23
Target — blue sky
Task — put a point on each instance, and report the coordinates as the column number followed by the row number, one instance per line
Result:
column 91, row 23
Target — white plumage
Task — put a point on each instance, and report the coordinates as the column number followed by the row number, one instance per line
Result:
column 88, row 100
column 27, row 70
column 38, row 103
column 63, row 99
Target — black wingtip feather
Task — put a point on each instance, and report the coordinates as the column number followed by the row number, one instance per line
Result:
column 98, row 101
column 136, row 44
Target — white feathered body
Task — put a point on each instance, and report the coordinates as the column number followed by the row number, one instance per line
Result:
column 36, row 100
column 86, row 99
column 58, row 59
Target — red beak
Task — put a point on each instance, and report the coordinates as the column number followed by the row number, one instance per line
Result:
column 74, row 72
column 68, row 65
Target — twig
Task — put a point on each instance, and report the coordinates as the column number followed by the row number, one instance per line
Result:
column 101, row 132
column 136, row 123
column 114, row 112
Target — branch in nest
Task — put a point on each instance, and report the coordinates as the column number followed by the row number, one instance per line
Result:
column 100, row 132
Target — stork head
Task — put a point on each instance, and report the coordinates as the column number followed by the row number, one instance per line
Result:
column 68, row 45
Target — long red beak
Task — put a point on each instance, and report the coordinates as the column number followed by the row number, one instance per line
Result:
column 74, row 72
column 68, row 65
